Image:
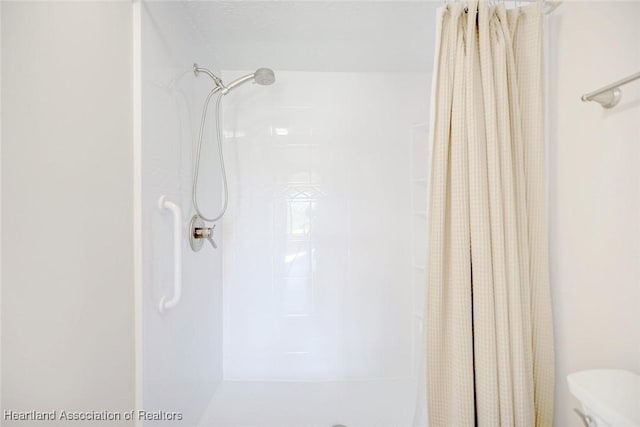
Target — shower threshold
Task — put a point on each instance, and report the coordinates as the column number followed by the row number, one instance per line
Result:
column 362, row 403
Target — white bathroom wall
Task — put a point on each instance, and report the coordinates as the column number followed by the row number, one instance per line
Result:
column 182, row 348
column 325, row 234
column 1, row 208
column 594, row 204
column 67, row 230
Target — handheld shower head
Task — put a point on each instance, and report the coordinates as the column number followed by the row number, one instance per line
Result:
column 262, row 76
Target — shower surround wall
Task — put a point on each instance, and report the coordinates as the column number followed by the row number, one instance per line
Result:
column 323, row 249
column 181, row 350
column 321, row 239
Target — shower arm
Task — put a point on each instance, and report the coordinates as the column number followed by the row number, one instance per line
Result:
column 220, row 86
column 217, row 80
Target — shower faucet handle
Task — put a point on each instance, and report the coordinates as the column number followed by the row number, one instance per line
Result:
column 198, row 232
column 205, row 233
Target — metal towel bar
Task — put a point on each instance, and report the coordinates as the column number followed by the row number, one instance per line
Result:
column 609, row 96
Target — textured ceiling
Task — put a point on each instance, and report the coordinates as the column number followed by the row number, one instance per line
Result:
column 317, row 35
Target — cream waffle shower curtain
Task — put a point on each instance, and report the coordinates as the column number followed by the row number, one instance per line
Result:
column 489, row 333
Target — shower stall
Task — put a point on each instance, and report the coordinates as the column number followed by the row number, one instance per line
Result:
column 310, row 310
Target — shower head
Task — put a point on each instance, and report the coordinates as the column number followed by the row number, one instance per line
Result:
column 262, row 76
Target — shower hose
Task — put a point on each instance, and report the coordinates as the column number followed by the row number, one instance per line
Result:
column 194, row 189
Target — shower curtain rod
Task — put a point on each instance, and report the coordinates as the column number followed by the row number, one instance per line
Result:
column 549, row 6
column 609, row 96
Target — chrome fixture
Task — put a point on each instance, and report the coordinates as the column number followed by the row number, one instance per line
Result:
column 198, row 233
column 263, row 77
column 609, row 96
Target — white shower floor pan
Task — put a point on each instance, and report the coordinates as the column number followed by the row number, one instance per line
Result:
column 366, row 403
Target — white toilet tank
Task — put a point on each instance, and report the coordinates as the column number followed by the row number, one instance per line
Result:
column 609, row 397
